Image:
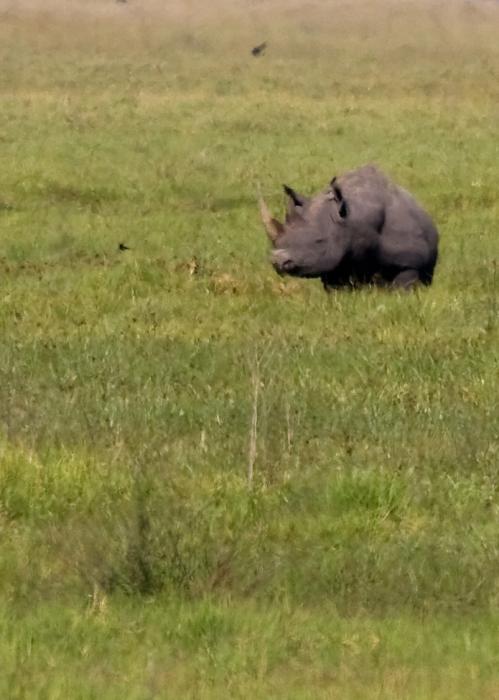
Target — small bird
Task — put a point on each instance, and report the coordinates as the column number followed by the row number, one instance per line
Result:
column 259, row 50
column 122, row 246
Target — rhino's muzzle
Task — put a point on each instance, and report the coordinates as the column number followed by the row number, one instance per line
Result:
column 282, row 263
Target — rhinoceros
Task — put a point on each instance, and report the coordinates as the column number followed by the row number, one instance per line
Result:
column 363, row 229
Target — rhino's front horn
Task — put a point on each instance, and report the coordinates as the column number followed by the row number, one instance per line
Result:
column 273, row 227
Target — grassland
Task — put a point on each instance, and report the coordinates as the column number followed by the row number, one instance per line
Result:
column 136, row 559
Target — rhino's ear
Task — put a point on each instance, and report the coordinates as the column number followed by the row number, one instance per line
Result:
column 339, row 199
column 298, row 199
column 296, row 202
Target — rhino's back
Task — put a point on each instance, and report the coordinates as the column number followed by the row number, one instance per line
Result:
column 366, row 178
column 370, row 193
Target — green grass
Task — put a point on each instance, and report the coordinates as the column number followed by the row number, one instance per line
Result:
column 210, row 650
column 135, row 558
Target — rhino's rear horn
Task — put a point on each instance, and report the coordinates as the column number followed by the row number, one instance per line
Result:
column 273, row 227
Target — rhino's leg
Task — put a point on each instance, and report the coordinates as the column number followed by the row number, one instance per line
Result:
column 406, row 279
column 328, row 288
column 334, row 280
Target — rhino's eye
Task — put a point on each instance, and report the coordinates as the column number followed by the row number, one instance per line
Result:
column 320, row 240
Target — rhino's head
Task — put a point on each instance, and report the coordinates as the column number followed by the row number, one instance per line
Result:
column 314, row 238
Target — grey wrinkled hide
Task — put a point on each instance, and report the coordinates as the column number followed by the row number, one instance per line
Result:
column 364, row 229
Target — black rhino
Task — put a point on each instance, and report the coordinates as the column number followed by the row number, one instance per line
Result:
column 363, row 229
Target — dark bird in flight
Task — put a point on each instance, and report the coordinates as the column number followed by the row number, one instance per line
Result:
column 259, row 50
column 122, row 246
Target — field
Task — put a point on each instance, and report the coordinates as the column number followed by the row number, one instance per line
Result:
column 215, row 482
